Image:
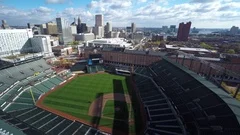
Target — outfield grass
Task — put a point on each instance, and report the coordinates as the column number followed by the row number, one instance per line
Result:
column 75, row 97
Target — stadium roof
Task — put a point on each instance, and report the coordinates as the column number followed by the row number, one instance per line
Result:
column 229, row 100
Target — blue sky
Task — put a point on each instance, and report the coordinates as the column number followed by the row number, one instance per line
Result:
column 145, row 13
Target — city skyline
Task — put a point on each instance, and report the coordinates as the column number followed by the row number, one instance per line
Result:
column 145, row 13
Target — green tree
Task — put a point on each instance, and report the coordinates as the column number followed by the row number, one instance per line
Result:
column 206, row 46
column 231, row 51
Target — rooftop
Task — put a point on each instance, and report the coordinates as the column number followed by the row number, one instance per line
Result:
column 112, row 41
column 187, row 49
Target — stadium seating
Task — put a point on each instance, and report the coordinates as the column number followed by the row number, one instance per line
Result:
column 48, row 123
column 11, row 75
column 161, row 116
column 81, row 66
column 110, row 68
column 202, row 110
column 33, row 79
column 94, row 68
column 25, row 100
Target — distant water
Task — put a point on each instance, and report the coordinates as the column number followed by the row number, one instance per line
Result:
column 209, row 31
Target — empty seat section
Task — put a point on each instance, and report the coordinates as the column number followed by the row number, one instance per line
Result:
column 59, row 127
column 72, row 128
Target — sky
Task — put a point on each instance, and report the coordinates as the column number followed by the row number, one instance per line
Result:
column 144, row 13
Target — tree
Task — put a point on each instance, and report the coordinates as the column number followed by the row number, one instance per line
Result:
column 74, row 43
column 206, row 46
column 231, row 51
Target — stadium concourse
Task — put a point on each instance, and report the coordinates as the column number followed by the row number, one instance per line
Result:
column 176, row 100
column 21, row 85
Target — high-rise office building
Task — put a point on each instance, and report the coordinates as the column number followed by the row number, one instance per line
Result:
column 99, row 20
column 51, row 28
column 108, row 27
column 43, row 28
column 165, row 28
column 129, row 29
column 83, row 28
column 5, row 25
column 183, row 31
column 108, row 30
column 133, row 27
column 172, row 28
column 64, row 30
column 79, row 25
column 30, row 25
column 99, row 28
column 234, row 30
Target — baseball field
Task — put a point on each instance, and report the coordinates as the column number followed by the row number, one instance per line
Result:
column 99, row 99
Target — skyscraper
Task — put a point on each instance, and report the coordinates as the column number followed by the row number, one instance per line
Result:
column 234, row 30
column 64, row 30
column 79, row 25
column 183, row 31
column 30, row 25
column 5, row 25
column 133, row 27
column 43, row 29
column 172, row 28
column 99, row 28
column 108, row 27
column 99, row 20
column 51, row 28
column 83, row 28
column 108, row 30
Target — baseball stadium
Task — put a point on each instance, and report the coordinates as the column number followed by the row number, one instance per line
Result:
column 119, row 93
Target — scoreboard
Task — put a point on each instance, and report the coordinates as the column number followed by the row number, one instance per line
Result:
column 95, row 59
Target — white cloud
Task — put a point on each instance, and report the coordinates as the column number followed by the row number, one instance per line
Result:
column 55, row 1
column 21, row 17
column 44, row 9
column 203, row 1
column 148, row 14
column 142, row 1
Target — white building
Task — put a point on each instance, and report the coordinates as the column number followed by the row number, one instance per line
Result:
column 115, row 34
column 42, row 43
column 14, row 41
column 73, row 29
column 109, row 42
column 99, row 31
column 64, row 30
column 54, row 42
column 84, row 36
